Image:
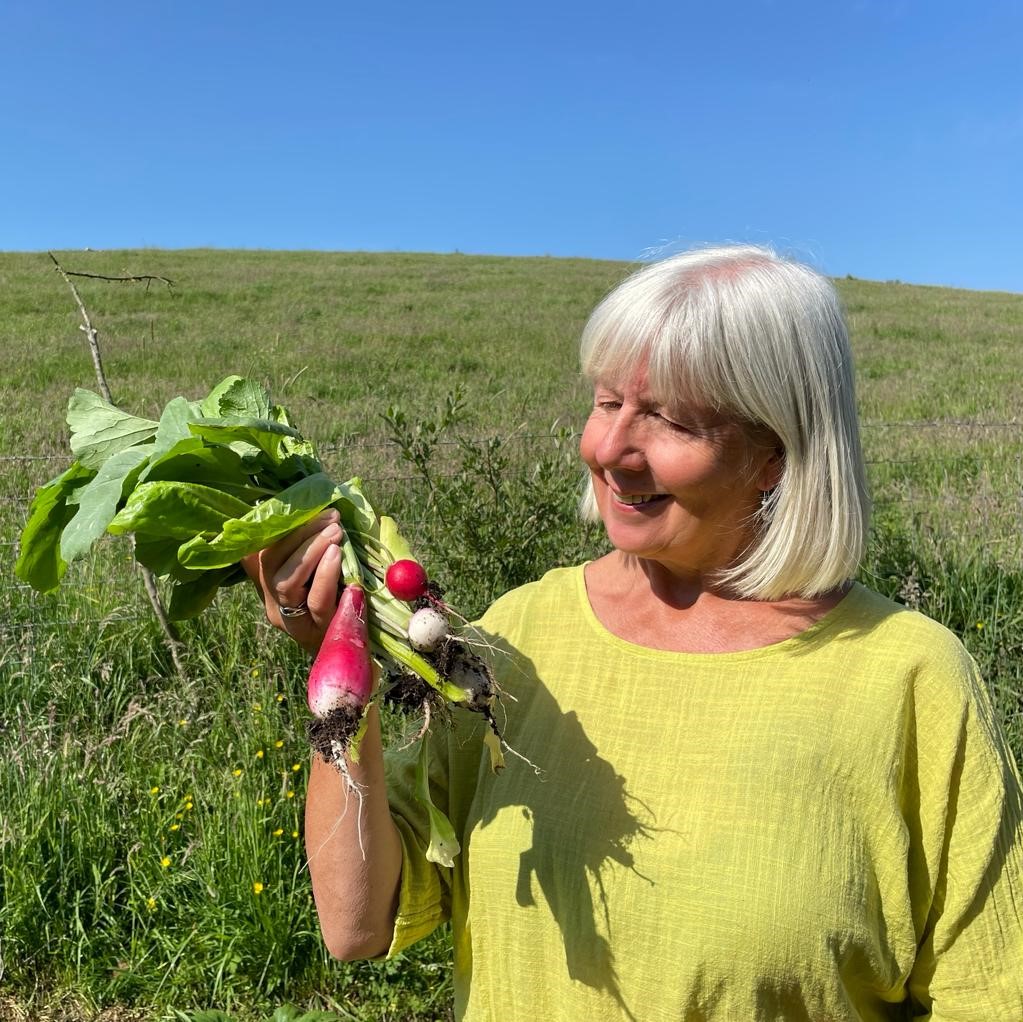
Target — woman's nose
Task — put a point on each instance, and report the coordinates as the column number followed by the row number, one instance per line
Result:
column 620, row 446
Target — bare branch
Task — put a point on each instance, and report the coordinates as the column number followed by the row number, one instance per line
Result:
column 171, row 638
column 90, row 331
column 148, row 278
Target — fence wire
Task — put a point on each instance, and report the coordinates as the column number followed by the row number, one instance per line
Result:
column 905, row 474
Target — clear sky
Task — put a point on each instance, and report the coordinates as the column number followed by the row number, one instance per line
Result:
column 878, row 139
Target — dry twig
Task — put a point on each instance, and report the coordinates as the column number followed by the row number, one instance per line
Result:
column 131, row 278
column 171, row 638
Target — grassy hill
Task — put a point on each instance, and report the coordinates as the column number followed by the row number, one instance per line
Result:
column 141, row 809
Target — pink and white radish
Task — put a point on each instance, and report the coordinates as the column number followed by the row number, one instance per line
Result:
column 342, row 678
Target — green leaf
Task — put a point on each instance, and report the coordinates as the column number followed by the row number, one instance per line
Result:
column 261, row 434
column 443, row 843
column 190, row 599
column 176, row 510
column 98, row 501
column 160, row 556
column 394, row 542
column 265, row 523
column 297, row 459
column 174, row 421
column 236, row 397
column 99, row 430
column 357, row 514
column 191, row 461
column 39, row 562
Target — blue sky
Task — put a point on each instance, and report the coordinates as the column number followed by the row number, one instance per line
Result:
column 883, row 140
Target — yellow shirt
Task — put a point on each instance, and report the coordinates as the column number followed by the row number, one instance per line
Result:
column 828, row 828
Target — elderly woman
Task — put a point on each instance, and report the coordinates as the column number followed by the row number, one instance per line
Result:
column 763, row 791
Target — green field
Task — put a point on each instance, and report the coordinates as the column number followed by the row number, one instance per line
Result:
column 150, row 845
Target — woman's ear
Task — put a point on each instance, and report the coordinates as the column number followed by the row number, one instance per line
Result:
column 771, row 470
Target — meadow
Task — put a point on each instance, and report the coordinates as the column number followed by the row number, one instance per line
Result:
column 151, row 856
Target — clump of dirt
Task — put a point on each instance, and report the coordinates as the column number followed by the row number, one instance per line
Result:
column 333, row 732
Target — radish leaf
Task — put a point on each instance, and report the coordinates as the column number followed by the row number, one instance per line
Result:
column 265, row 523
column 39, row 562
column 443, row 843
column 98, row 500
column 189, row 599
column 237, row 397
column 176, row 510
column 98, row 429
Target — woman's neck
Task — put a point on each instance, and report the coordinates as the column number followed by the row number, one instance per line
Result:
column 646, row 604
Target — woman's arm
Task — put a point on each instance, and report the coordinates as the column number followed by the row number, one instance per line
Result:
column 352, row 844
column 354, row 852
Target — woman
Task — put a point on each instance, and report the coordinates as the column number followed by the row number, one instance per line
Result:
column 762, row 791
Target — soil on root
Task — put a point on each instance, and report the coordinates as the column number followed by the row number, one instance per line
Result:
column 327, row 735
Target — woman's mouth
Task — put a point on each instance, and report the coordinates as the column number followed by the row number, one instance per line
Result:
column 638, row 499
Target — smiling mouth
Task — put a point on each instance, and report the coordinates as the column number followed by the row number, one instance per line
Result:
column 639, row 499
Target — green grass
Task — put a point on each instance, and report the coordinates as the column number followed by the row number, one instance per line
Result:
column 139, row 814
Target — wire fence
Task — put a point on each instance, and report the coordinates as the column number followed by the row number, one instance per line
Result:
column 966, row 476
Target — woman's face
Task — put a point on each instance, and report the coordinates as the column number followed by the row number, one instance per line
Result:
column 679, row 486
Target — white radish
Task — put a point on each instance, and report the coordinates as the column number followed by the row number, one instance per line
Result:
column 427, row 629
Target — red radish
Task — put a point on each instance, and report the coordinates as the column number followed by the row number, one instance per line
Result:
column 406, row 579
column 341, row 679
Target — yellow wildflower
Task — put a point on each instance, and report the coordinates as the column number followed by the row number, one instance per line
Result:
column 278, row 832
column 279, row 744
column 257, row 888
column 296, row 767
column 150, row 903
column 238, row 772
column 154, row 790
column 165, row 862
column 259, row 754
column 175, row 826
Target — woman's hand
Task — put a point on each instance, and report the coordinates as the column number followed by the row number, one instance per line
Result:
column 297, row 578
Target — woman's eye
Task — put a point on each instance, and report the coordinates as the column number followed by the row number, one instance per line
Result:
column 672, row 423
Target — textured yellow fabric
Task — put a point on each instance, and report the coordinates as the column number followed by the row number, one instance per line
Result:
column 829, row 828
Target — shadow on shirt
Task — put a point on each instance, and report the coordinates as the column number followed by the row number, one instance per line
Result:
column 582, row 818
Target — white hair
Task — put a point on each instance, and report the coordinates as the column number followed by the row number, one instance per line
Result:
column 763, row 339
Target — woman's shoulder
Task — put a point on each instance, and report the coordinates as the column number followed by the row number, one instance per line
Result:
column 890, row 635
column 888, row 623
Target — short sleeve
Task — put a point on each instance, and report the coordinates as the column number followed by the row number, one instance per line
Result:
column 424, row 900
column 965, row 811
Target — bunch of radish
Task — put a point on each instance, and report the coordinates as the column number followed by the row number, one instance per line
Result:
column 434, row 670
column 404, row 624
column 216, row 479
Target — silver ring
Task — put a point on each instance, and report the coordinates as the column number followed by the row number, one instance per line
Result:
column 294, row 611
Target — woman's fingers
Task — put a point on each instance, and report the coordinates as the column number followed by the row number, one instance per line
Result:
column 300, row 573
column 275, row 556
column 320, row 602
column 290, row 582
